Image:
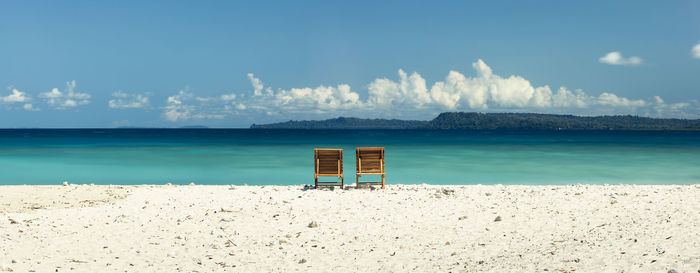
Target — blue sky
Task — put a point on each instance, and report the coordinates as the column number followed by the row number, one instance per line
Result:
column 233, row 63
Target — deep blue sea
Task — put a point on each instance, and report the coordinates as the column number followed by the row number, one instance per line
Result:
column 284, row 157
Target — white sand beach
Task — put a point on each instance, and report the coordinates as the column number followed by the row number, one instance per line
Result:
column 418, row 228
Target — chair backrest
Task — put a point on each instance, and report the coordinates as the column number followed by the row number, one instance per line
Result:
column 370, row 160
column 328, row 161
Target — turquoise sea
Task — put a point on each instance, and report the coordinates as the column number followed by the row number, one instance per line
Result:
column 284, row 157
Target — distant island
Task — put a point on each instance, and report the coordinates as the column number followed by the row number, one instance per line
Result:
column 496, row 121
column 344, row 123
column 183, row 127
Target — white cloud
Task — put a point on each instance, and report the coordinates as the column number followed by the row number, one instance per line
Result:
column 567, row 99
column 15, row 97
column 488, row 90
column 257, row 85
column 696, row 51
column 67, row 99
column 410, row 96
column 228, row 97
column 322, row 99
column 409, row 90
column 663, row 109
column 53, row 94
column 615, row 101
column 129, row 101
column 175, row 110
column 482, row 92
column 616, row 58
column 185, row 106
column 29, row 107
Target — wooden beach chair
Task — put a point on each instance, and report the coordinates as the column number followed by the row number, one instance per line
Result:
column 328, row 162
column 370, row 161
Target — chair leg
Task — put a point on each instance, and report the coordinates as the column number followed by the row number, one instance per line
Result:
column 315, row 182
column 383, row 182
column 357, row 181
column 342, row 182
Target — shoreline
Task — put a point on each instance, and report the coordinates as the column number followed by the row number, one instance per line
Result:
column 458, row 228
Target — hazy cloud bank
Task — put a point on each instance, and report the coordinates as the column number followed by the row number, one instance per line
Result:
column 409, row 96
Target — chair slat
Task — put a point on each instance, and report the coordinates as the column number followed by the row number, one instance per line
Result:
column 370, row 161
column 328, row 162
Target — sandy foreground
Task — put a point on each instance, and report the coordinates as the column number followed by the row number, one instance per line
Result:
column 403, row 228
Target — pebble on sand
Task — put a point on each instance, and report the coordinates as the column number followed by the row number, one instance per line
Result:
column 498, row 219
column 5, row 268
column 313, row 224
